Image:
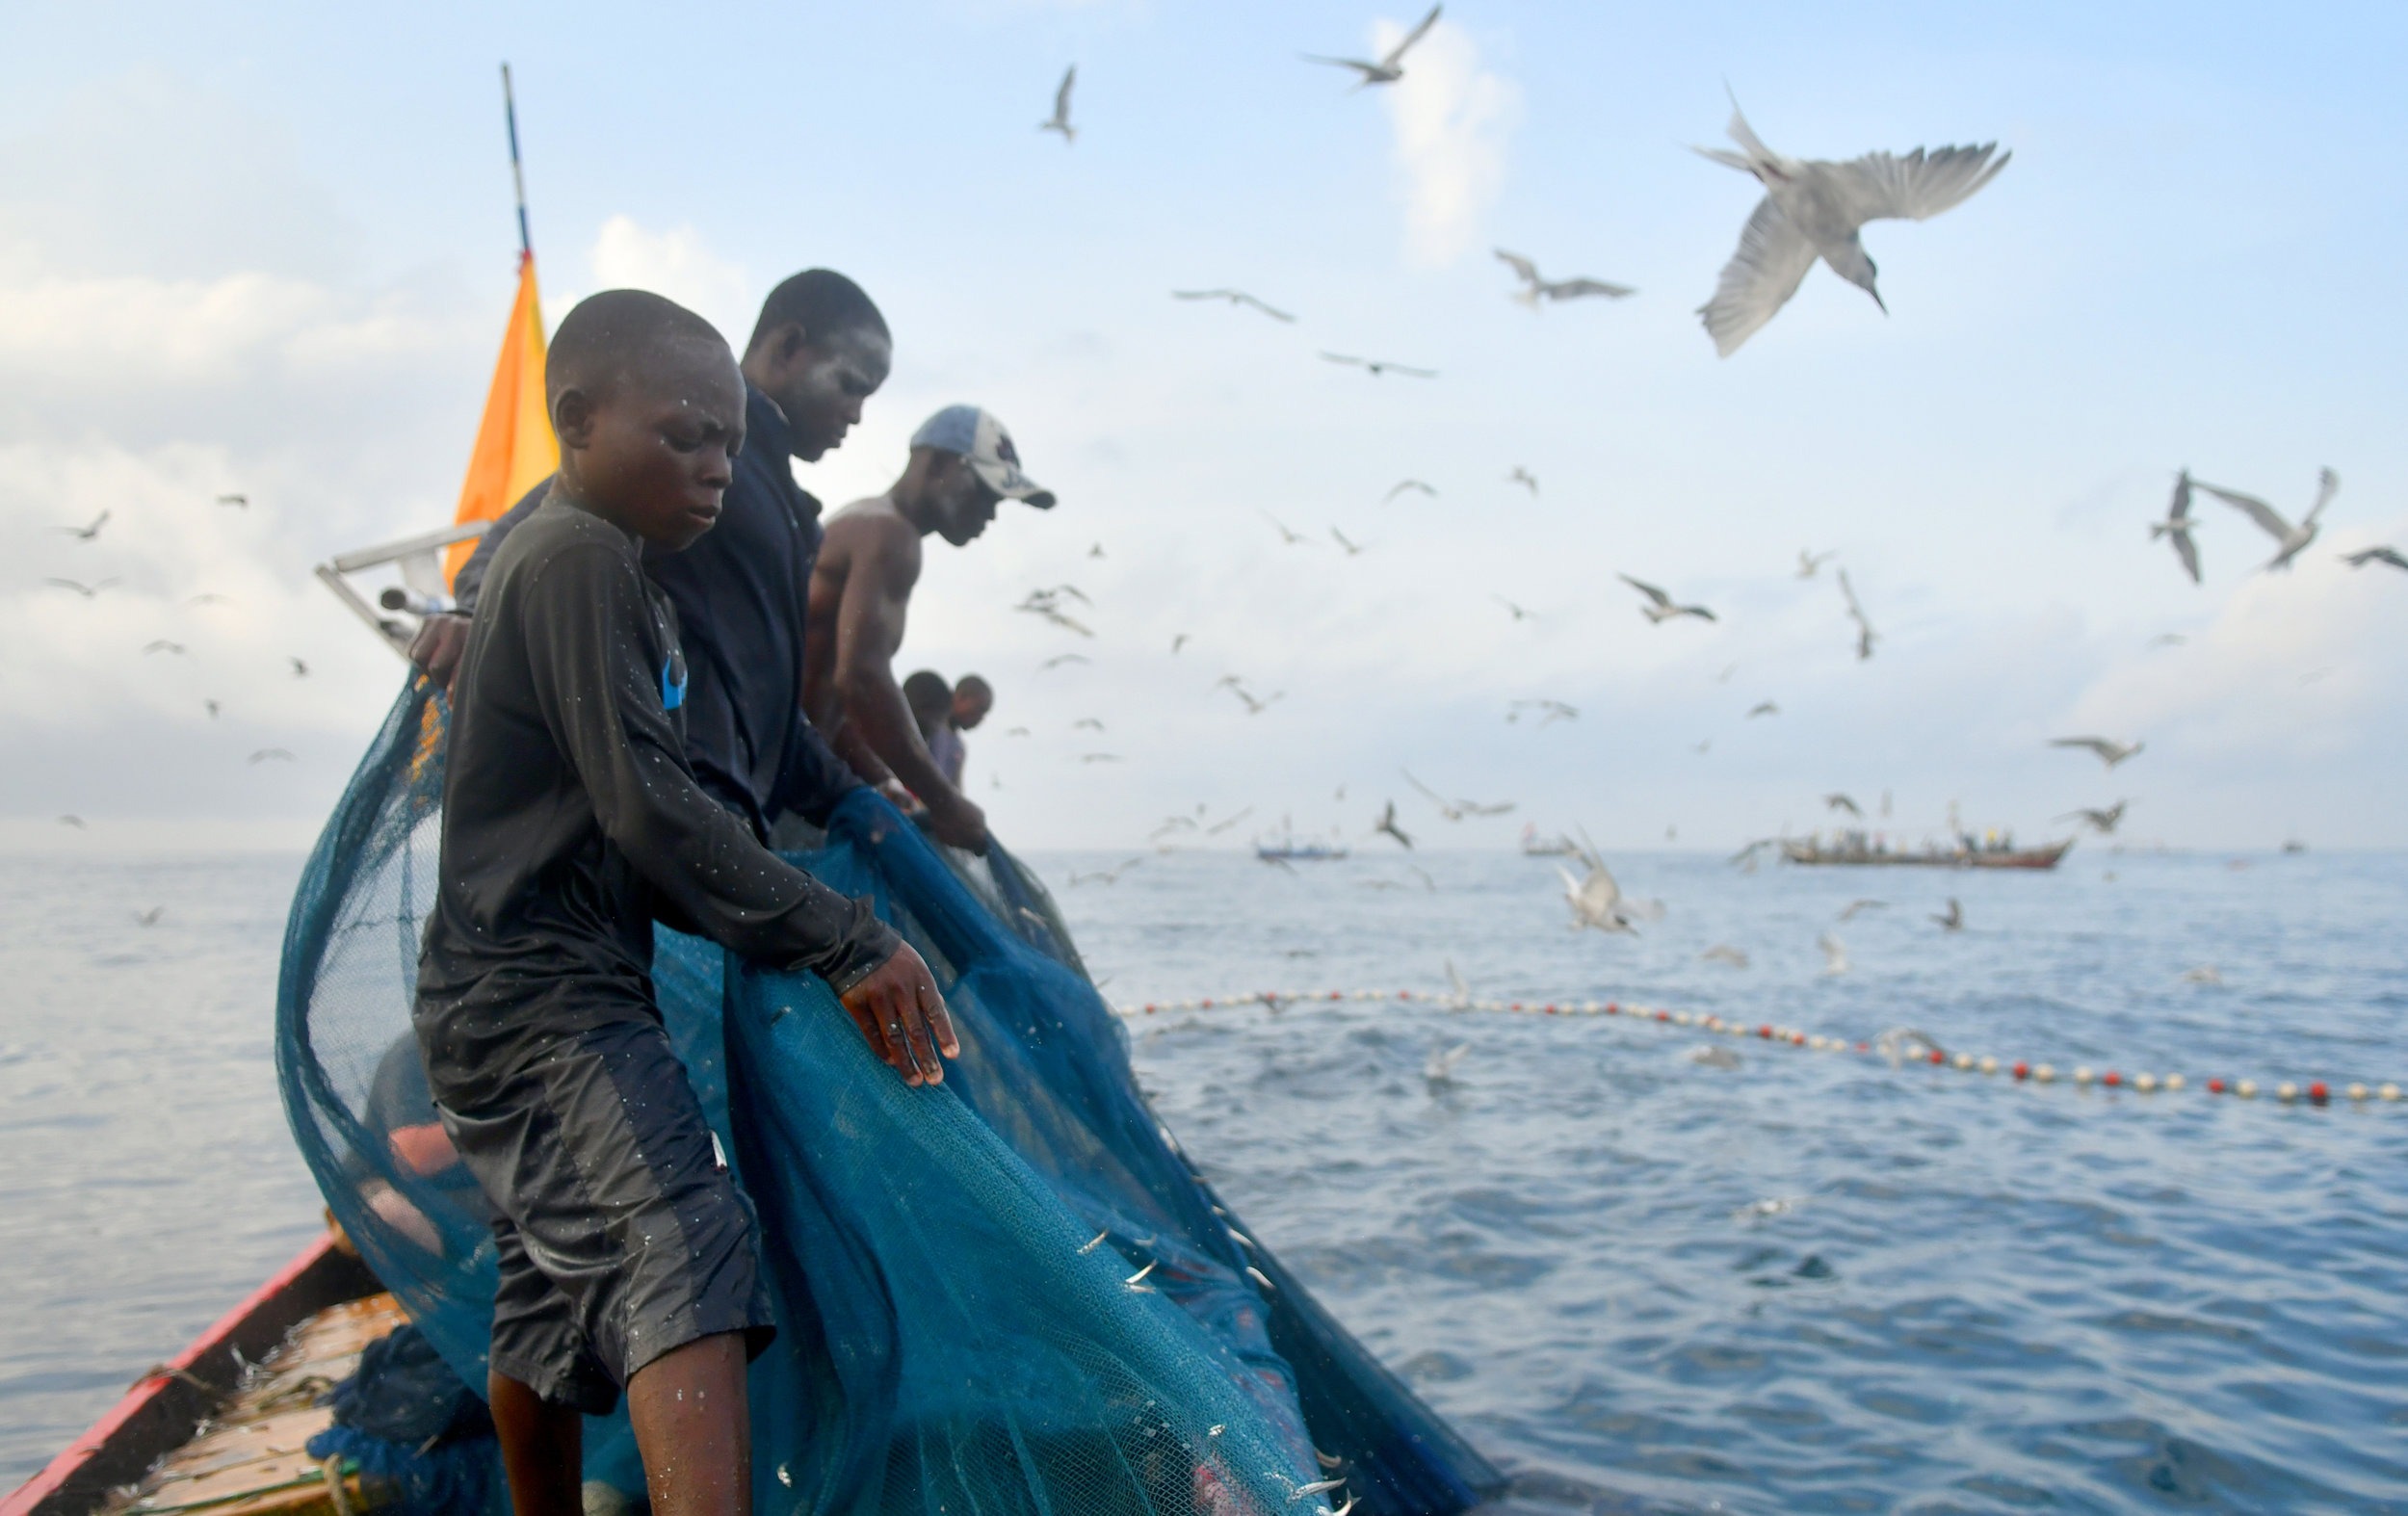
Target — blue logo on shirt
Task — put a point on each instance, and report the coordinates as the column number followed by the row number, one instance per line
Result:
column 673, row 680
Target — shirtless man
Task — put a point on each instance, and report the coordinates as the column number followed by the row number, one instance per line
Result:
column 962, row 466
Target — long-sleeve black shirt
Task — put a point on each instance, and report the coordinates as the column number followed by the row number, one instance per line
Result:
column 572, row 819
column 742, row 592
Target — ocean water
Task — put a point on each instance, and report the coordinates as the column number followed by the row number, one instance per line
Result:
column 1642, row 1282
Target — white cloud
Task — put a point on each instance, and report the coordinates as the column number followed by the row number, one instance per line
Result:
column 676, row 263
column 1452, row 122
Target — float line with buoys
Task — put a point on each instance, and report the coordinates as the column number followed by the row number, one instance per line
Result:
column 2315, row 1092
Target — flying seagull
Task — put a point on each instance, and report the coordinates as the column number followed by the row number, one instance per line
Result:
column 266, row 754
column 76, row 821
column 2104, row 821
column 1037, row 605
column 1059, row 659
column 1843, row 802
column 2109, row 752
column 1661, row 609
column 2289, row 540
column 1809, row 562
column 1107, row 876
column 1353, row 549
column 1522, row 476
column 85, row 533
column 1955, row 920
column 1834, row 954
column 1598, row 902
column 1850, row 913
column 87, row 592
column 238, row 502
column 300, row 671
column 1536, row 289
column 2376, row 555
column 1401, row 486
column 1518, row 614
column 1375, row 367
column 1764, row 708
column 2177, row 524
column 1388, row 824
column 1866, row 636
column 1177, row 643
column 1254, row 706
column 1814, row 208
column 1553, row 711
column 163, row 646
column 1234, row 297
column 1391, row 67
column 1060, row 119
column 1287, row 534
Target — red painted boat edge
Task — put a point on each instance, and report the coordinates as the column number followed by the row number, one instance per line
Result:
column 37, row 1496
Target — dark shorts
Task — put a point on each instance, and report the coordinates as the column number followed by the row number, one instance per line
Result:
column 621, row 1232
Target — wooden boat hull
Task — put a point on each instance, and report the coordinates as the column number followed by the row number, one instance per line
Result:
column 161, row 1412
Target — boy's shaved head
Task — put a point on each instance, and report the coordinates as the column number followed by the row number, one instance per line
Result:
column 611, row 336
column 649, row 409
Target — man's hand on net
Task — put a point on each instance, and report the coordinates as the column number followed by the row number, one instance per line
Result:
column 903, row 1018
column 436, row 648
column 954, row 820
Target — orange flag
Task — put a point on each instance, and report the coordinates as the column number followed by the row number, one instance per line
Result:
column 515, row 449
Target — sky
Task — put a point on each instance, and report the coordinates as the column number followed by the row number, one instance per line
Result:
column 268, row 250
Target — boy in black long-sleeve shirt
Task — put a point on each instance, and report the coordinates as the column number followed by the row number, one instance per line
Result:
column 571, row 822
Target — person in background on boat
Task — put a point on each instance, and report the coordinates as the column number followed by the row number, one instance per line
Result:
column 819, row 351
column 931, row 703
column 572, row 822
column 962, row 465
column 973, row 698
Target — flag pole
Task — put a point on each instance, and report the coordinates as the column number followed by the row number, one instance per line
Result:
column 519, row 176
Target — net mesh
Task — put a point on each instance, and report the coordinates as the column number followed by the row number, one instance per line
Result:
column 1012, row 1293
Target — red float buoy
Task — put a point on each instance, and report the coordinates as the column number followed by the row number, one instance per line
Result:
column 2215, row 1086
column 2318, row 1094
column 1797, row 1039
column 1938, row 1056
column 1764, row 1032
column 2023, row 1070
column 2111, row 1079
column 1663, row 1015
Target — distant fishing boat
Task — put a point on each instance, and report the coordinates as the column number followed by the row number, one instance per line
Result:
column 1285, row 848
column 1858, row 849
column 1533, row 845
column 1288, row 850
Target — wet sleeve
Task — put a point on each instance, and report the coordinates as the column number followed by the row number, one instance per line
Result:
column 471, row 576
column 813, row 779
column 597, row 678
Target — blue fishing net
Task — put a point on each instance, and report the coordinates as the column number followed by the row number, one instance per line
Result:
column 1011, row 1294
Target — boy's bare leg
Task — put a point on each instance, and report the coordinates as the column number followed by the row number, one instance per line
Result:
column 694, row 1429
column 542, row 1449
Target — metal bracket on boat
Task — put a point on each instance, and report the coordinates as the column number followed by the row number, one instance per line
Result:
column 399, row 609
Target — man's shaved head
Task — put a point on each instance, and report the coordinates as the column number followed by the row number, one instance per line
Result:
column 611, row 336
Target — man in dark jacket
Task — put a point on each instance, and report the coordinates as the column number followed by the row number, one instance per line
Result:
column 819, row 350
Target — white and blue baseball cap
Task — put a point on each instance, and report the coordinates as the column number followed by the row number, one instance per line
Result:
column 979, row 440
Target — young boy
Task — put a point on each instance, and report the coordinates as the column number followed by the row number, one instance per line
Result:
column 571, row 822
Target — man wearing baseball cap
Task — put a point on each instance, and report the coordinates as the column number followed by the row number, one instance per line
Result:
column 962, row 466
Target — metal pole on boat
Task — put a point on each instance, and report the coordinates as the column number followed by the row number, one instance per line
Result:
column 518, row 175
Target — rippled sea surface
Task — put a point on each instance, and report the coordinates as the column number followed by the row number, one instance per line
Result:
column 1642, row 1282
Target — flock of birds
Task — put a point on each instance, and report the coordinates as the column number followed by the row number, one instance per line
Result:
column 1813, row 210
column 89, row 534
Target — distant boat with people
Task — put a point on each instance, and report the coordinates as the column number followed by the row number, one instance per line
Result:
column 1865, row 850
column 1286, row 848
